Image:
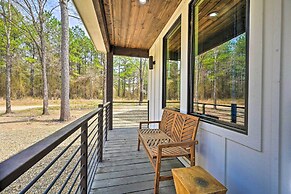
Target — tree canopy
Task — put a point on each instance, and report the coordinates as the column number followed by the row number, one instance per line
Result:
column 86, row 64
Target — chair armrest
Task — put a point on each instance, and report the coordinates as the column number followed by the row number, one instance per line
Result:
column 147, row 122
column 177, row 144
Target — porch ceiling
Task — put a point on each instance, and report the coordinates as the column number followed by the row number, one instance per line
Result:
column 125, row 27
column 132, row 25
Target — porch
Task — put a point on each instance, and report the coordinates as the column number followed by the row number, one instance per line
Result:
column 256, row 160
column 86, row 156
column 126, row 170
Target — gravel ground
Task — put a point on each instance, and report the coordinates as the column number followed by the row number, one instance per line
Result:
column 22, row 129
column 26, row 127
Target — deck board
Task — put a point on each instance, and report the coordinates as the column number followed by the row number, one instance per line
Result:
column 126, row 170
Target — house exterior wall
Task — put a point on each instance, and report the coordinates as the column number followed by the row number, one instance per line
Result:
column 259, row 162
column 285, row 102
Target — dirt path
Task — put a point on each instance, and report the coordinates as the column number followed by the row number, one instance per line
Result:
column 20, row 108
column 20, row 130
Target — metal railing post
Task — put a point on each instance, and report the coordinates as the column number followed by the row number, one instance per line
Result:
column 84, row 158
column 100, row 130
column 148, row 110
column 233, row 112
column 110, row 119
column 106, row 122
column 203, row 109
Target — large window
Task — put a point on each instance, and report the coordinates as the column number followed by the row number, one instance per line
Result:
column 219, row 58
column 172, row 66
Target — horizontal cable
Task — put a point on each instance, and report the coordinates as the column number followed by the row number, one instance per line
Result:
column 70, row 175
column 93, row 131
column 93, row 121
column 96, row 158
column 96, row 133
column 78, row 188
column 48, row 167
column 62, row 170
column 94, row 148
column 75, row 180
column 91, row 176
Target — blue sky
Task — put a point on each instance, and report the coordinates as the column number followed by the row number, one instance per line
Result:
column 72, row 12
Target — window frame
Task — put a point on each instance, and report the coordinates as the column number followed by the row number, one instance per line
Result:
column 164, row 68
column 191, row 68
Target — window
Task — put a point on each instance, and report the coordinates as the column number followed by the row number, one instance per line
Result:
column 172, row 67
column 219, row 62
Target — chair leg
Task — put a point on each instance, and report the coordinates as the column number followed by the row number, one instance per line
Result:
column 192, row 156
column 138, row 144
column 157, row 173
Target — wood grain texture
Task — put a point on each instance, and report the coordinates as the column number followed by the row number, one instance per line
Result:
column 196, row 180
column 132, row 25
column 125, row 170
column 131, row 52
column 175, row 138
column 228, row 24
column 101, row 16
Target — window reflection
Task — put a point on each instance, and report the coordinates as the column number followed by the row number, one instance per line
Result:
column 172, row 66
column 220, row 70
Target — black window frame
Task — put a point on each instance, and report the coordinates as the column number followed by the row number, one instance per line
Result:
column 191, row 67
column 164, row 69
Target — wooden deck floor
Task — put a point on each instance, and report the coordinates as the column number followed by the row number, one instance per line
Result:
column 126, row 170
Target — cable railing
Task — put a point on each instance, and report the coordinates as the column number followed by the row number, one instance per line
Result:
column 80, row 149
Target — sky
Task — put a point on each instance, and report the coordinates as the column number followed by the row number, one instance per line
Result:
column 73, row 14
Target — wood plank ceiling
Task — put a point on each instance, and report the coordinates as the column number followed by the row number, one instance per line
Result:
column 132, row 25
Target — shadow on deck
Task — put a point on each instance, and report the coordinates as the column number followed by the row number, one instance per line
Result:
column 126, row 170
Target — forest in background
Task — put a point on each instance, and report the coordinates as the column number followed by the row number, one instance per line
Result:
column 130, row 78
column 220, row 73
column 86, row 64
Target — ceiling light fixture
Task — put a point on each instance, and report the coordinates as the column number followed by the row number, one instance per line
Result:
column 213, row 14
column 142, row 2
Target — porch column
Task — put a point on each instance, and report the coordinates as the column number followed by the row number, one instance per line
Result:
column 109, row 85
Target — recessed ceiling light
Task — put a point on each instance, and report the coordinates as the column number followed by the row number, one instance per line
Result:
column 213, row 14
column 142, row 2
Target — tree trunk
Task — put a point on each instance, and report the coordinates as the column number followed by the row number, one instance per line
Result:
column 133, row 87
column 196, row 95
column 32, row 92
column 65, row 96
column 79, row 68
column 233, row 76
column 44, row 78
column 215, row 79
column 140, row 81
column 8, row 58
column 32, row 80
column 43, row 64
column 129, row 87
column 118, row 86
column 123, row 94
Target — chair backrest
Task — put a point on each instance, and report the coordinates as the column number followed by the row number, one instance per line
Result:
column 180, row 127
column 184, row 127
column 167, row 121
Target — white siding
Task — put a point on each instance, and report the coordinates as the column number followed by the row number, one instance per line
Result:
column 259, row 162
column 285, row 103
